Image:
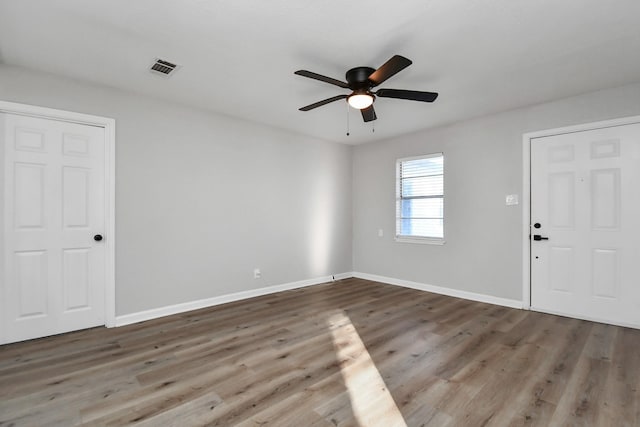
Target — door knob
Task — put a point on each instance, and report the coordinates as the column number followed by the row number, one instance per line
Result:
column 539, row 237
column 97, row 237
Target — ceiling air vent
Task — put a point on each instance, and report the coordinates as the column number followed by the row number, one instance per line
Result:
column 162, row 67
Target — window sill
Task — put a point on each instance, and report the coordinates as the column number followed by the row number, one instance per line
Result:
column 420, row 240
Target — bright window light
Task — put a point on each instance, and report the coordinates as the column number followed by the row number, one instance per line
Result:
column 420, row 198
column 361, row 377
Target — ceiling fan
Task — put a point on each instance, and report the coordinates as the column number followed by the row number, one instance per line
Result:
column 361, row 80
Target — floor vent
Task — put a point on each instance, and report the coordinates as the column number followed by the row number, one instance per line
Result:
column 162, row 67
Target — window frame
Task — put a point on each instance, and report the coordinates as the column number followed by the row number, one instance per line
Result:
column 429, row 240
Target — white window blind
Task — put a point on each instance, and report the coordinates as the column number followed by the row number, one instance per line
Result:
column 420, row 197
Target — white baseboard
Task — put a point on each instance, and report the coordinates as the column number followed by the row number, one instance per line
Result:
column 155, row 313
column 440, row 290
column 343, row 275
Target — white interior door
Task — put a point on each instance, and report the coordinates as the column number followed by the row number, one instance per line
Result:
column 54, row 205
column 585, row 197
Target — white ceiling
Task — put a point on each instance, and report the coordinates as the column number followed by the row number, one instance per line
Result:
column 238, row 56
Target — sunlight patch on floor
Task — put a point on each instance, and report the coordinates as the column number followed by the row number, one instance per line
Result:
column 371, row 401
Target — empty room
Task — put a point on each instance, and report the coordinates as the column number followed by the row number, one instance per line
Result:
column 294, row 213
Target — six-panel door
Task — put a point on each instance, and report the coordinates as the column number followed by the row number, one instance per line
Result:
column 585, row 194
column 54, row 190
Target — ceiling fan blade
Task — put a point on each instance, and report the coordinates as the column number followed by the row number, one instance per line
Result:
column 368, row 114
column 323, row 102
column 315, row 76
column 412, row 95
column 393, row 66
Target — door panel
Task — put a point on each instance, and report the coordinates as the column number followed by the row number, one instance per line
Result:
column 584, row 193
column 54, row 191
column 28, row 196
column 75, row 197
column 605, row 199
column 76, row 279
column 561, row 209
column 29, row 139
column 604, row 266
column 31, row 283
column 561, row 267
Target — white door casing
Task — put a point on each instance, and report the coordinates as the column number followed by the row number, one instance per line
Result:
column 584, row 187
column 58, row 194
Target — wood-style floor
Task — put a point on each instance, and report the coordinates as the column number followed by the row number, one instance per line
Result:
column 352, row 353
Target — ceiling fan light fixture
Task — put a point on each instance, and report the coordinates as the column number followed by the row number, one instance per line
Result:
column 360, row 101
column 361, row 80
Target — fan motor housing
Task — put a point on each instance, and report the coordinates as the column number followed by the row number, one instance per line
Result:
column 358, row 78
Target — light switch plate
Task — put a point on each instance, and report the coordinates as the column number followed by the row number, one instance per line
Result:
column 511, row 199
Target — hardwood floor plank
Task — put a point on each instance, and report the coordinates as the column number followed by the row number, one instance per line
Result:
column 146, row 402
column 196, row 411
column 581, row 403
column 600, row 344
column 290, row 411
column 554, row 386
column 347, row 353
column 621, row 394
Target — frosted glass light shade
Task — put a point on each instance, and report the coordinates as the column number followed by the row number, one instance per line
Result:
column 360, row 101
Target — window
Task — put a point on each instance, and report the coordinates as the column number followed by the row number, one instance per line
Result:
column 420, row 199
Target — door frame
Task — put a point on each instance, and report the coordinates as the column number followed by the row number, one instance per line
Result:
column 109, row 126
column 527, row 140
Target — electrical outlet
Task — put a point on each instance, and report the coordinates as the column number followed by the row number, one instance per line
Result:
column 511, row 199
column 257, row 273
column 380, row 232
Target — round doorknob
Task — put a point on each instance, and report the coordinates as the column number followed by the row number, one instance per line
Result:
column 97, row 237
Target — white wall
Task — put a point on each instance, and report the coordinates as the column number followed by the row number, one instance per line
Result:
column 483, row 163
column 202, row 199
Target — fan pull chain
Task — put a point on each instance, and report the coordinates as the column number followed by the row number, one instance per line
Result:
column 347, row 119
column 373, row 126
